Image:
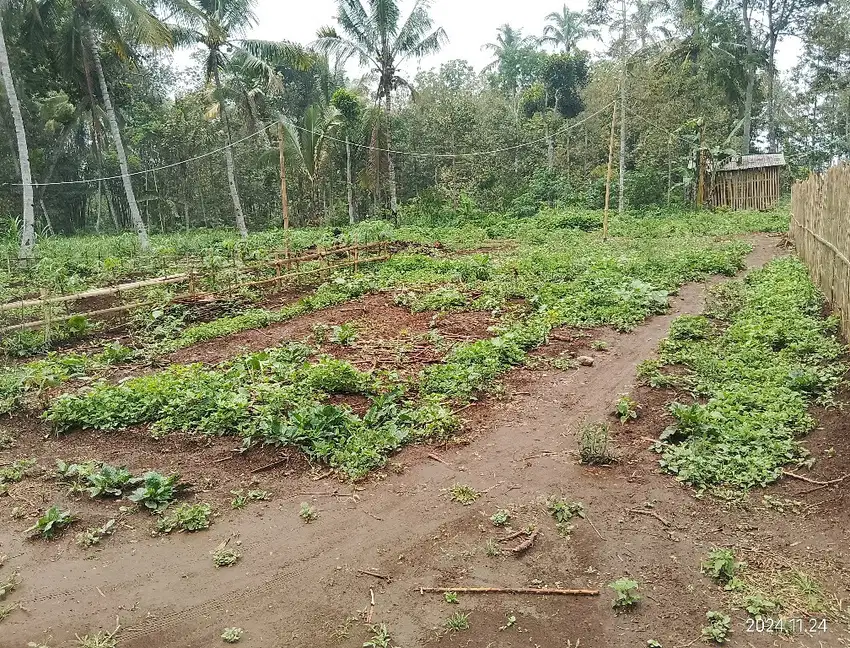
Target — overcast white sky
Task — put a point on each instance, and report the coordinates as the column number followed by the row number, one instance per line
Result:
column 468, row 23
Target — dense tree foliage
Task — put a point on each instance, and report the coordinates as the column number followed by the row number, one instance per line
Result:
column 114, row 137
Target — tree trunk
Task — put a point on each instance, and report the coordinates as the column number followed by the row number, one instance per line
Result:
column 135, row 215
column 751, row 79
column 255, row 116
column 228, row 160
column 350, row 189
column 47, row 219
column 622, row 188
column 28, row 225
column 390, row 161
column 771, row 89
column 550, row 150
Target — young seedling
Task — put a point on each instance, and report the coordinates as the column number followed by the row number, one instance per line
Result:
column 232, row 635
column 93, row 535
column 380, row 637
column 224, row 557
column 652, row 643
column 52, row 522
column 599, row 345
column 155, row 491
column 451, row 597
column 9, row 585
column 500, row 518
column 308, row 513
column 510, row 622
column 457, row 622
column 344, row 334
column 464, row 494
column 626, row 593
column 718, row 627
column 626, row 409
column 240, row 499
column 758, row 606
column 722, row 567
column 99, row 640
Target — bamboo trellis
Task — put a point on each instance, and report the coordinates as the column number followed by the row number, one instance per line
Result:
column 287, row 269
column 820, row 229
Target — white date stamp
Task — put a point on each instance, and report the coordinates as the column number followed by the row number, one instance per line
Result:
column 787, row 625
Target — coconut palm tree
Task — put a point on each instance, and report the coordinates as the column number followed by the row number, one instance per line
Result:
column 85, row 29
column 373, row 32
column 28, row 222
column 218, row 25
column 509, row 50
column 566, row 28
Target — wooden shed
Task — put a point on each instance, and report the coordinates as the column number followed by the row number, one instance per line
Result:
column 749, row 182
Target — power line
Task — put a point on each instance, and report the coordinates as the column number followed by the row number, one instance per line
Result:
column 506, row 149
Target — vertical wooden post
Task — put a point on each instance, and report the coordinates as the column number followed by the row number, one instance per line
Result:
column 701, row 180
column 284, row 201
column 608, row 177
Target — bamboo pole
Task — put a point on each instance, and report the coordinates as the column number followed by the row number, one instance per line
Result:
column 284, row 200
column 545, row 591
column 608, row 177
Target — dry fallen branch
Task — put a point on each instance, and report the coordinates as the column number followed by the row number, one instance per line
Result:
column 526, row 544
column 651, row 514
column 375, row 574
column 508, row 590
column 436, row 458
column 814, row 481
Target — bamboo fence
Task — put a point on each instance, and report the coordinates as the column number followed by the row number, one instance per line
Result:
column 285, row 269
column 820, row 230
column 757, row 188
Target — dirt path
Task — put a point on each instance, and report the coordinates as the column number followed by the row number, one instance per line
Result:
column 298, row 584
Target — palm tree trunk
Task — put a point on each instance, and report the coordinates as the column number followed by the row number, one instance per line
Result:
column 390, row 161
column 622, row 188
column 135, row 215
column 751, row 80
column 351, row 218
column 28, row 225
column 228, row 160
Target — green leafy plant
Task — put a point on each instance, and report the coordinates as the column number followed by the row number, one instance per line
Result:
column 599, row 345
column 758, row 605
column 457, row 622
column 718, row 627
column 722, row 566
column 463, row 494
column 308, row 513
column 510, row 622
column 186, row 517
column 232, row 635
column 625, row 590
column 51, row 523
column 594, row 444
column 501, row 517
column 155, row 491
column 626, row 408
column 563, row 512
column 344, row 334
column 451, row 597
column 16, row 471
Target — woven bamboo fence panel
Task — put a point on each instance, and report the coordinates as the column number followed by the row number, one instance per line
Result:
column 820, row 230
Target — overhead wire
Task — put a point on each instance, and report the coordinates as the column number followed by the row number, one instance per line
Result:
column 202, row 156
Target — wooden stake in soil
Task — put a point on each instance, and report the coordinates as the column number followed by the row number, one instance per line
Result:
column 508, row 590
column 283, row 197
column 608, row 177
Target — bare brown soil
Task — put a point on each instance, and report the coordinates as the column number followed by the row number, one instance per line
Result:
column 301, row 585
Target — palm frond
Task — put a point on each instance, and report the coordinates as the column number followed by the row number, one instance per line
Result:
column 144, row 28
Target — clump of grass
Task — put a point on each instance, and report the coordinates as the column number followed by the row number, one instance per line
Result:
column 463, row 494
column 232, row 635
column 224, row 557
column 594, row 441
column 492, row 549
column 625, row 590
column 186, row 517
column 718, row 627
column 308, row 513
column 501, row 517
column 457, row 622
